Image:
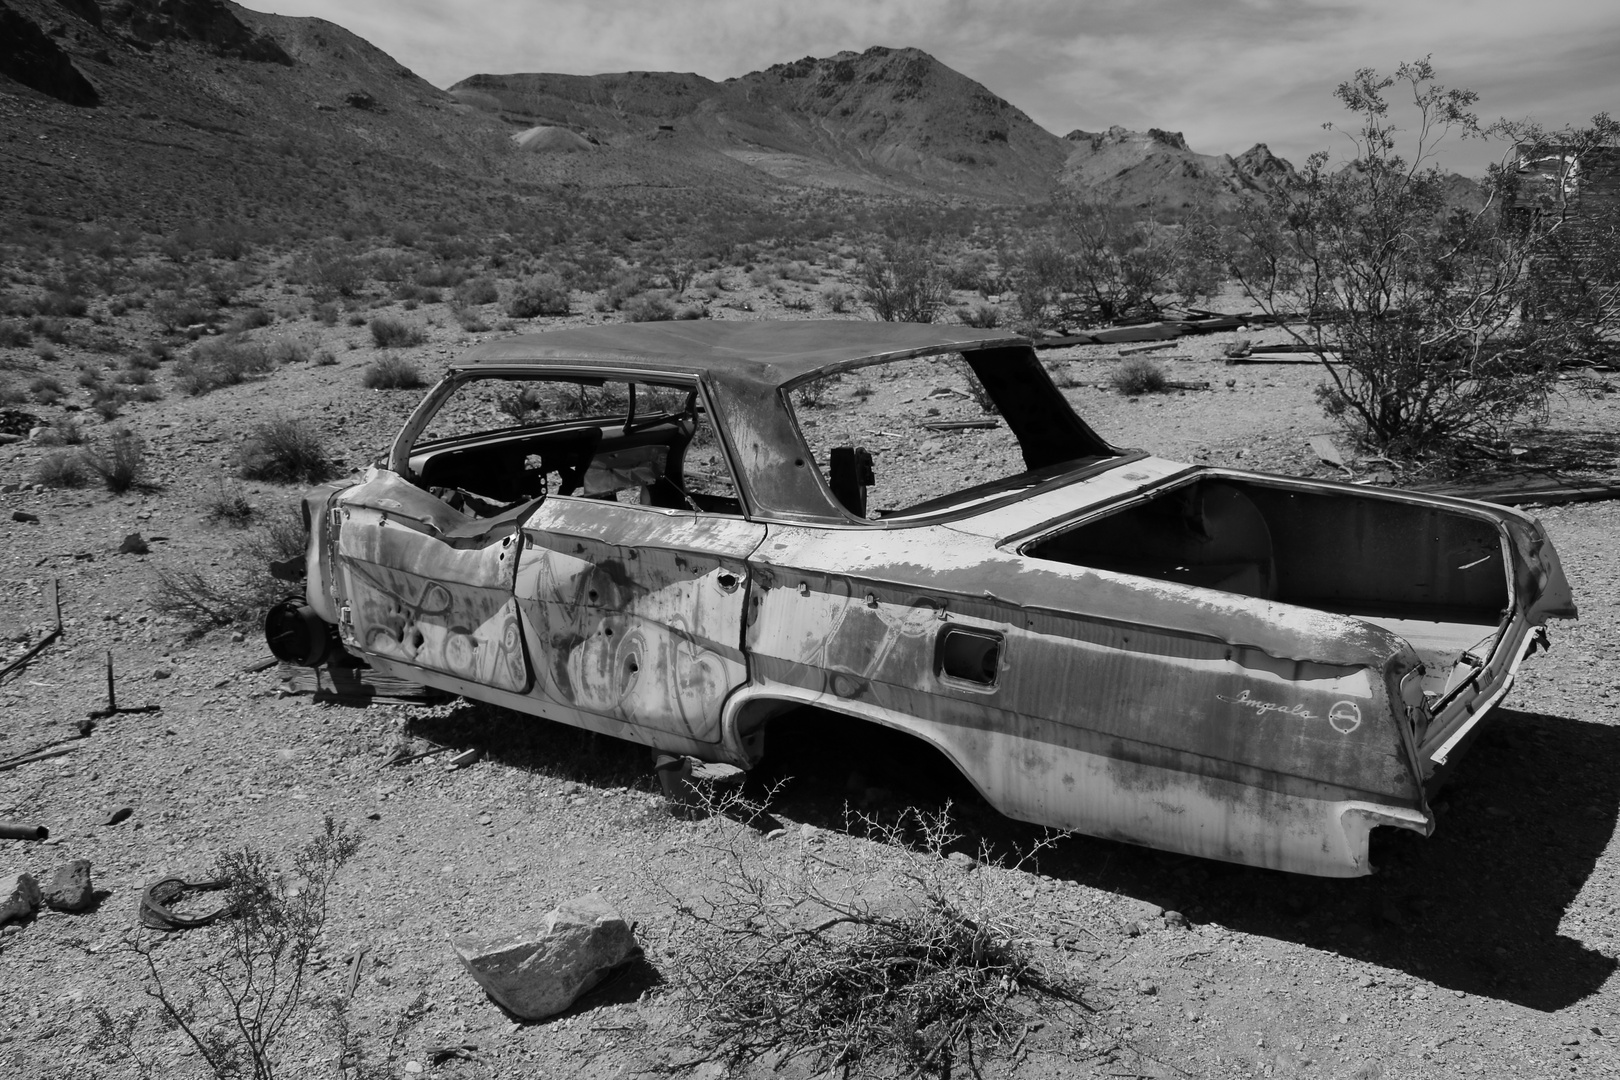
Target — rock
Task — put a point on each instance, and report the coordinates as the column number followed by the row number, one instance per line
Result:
column 717, row 772
column 19, row 897
column 120, row 814
column 134, row 544
column 1146, row 988
column 1175, row 918
column 25, row 517
column 69, row 888
column 962, row 858
column 539, row 971
column 1133, row 929
column 161, row 673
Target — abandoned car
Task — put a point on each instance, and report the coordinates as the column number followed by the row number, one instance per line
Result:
column 676, row 533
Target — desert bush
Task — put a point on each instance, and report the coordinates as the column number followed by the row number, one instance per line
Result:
column 106, row 400
column 230, row 505
column 120, row 461
column 64, row 432
column 337, row 274
column 477, row 291
column 61, row 469
column 287, row 351
column 174, row 310
column 901, row 281
column 251, row 319
column 241, row 594
column 249, row 987
column 220, row 362
column 980, row 317
column 284, row 451
column 46, row 390
column 391, row 372
column 389, row 333
column 325, row 312
column 325, row 358
column 469, row 319
column 838, row 298
column 544, row 294
column 1138, row 376
column 896, row 961
column 648, row 307
column 1438, row 326
column 14, row 335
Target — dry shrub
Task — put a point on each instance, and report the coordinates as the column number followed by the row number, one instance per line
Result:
column 120, row 461
column 284, row 451
column 241, row 594
column 60, row 470
column 648, row 307
column 1139, row 376
column 544, row 294
column 897, row 961
column 389, row 333
column 391, row 372
column 221, row 362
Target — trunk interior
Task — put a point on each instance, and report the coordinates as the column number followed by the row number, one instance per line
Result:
column 1432, row 575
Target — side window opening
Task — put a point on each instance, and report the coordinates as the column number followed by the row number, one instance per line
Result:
column 499, row 443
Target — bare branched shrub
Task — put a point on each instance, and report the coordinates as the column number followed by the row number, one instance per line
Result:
column 240, row 594
column 899, row 959
column 1438, row 326
column 391, row 372
column 120, row 461
column 284, row 451
column 648, row 307
column 980, row 317
column 251, row 987
column 902, row 282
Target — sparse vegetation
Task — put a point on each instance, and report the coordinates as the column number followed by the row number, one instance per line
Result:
column 902, row 282
column 1138, row 376
column 391, row 372
column 544, row 294
column 120, row 460
column 61, row 469
column 903, row 962
column 648, row 307
column 285, row 451
column 250, row 988
column 220, row 362
column 240, row 595
column 389, row 333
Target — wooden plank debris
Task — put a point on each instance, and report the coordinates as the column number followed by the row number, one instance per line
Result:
column 1547, row 489
column 1147, row 348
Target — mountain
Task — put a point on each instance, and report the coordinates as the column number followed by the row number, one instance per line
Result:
column 167, row 111
column 1157, row 169
column 884, row 120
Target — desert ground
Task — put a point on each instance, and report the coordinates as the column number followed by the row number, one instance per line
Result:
column 1488, row 949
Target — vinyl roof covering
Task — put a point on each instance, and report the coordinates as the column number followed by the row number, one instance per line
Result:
column 765, row 353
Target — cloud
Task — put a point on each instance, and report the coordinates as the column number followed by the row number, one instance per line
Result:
column 1227, row 73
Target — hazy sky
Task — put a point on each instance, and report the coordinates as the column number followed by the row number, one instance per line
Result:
column 1226, row 73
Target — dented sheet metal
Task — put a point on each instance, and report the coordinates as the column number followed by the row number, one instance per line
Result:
column 1243, row 667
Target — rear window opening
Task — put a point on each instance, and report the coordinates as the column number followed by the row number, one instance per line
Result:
column 1432, row 575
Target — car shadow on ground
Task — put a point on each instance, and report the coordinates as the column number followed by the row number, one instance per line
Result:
column 1477, row 907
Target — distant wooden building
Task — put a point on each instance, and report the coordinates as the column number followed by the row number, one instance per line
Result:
column 1578, row 262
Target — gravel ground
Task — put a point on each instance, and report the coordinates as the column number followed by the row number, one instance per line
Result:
column 1488, row 949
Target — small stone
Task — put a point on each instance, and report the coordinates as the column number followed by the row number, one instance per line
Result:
column 1133, row 929
column 238, row 637
column 69, row 888
column 1175, row 918
column 25, row 517
column 134, row 544
column 161, row 673
column 1189, row 1015
column 1154, row 911
column 121, row 814
column 1146, row 988
column 776, row 834
column 413, row 1066
column 19, row 897
column 962, row 858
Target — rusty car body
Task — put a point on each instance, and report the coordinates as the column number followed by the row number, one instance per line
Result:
column 629, row 528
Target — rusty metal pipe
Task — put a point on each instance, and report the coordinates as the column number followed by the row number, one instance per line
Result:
column 16, row 830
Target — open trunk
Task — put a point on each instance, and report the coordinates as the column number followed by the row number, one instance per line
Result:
column 1436, row 576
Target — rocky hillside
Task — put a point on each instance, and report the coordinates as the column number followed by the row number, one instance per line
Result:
column 164, row 111
column 885, row 120
column 1157, row 169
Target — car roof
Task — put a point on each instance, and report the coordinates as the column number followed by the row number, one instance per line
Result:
column 759, row 353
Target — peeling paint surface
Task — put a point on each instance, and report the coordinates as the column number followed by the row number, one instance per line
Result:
column 1243, row 667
